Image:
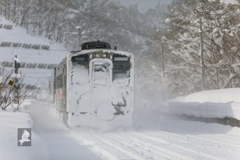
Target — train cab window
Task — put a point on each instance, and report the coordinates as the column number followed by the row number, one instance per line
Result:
column 121, row 66
column 121, row 63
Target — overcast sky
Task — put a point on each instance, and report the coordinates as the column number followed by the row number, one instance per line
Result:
column 143, row 5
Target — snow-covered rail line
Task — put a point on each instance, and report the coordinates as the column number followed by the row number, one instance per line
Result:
column 204, row 138
column 234, row 137
column 159, row 140
column 202, row 145
column 169, row 153
column 121, row 149
column 146, row 151
column 98, row 150
column 157, row 145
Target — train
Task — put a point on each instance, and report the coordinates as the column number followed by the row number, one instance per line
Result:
column 94, row 87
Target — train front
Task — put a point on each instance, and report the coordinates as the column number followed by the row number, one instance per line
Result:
column 100, row 88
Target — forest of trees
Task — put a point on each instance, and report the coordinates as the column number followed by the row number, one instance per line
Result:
column 57, row 19
column 221, row 39
column 142, row 34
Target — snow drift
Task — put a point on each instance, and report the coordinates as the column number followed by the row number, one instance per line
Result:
column 210, row 104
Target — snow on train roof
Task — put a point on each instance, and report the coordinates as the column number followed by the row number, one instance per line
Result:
column 128, row 54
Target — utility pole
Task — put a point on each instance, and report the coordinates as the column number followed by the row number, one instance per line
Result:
column 162, row 63
column 54, row 84
column 1, row 81
column 79, row 35
column 203, row 71
column 49, row 86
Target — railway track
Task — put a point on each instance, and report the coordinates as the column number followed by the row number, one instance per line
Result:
column 182, row 140
column 158, row 145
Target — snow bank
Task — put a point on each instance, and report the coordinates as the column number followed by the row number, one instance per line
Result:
column 214, row 103
column 214, row 96
column 19, row 119
column 9, row 124
column 15, row 120
column 208, row 110
column 229, row 1
column 226, row 1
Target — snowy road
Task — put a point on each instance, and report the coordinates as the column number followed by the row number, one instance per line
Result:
column 54, row 141
column 157, row 138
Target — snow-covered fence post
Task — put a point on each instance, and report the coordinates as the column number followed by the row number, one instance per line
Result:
column 203, row 71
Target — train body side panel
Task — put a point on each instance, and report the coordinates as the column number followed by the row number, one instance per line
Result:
column 60, row 87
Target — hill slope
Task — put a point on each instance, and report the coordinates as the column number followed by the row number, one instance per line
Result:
column 29, row 56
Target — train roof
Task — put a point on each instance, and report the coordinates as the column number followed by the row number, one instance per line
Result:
column 97, row 46
column 104, row 51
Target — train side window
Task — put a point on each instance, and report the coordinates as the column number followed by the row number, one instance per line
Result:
column 59, row 81
column 57, row 85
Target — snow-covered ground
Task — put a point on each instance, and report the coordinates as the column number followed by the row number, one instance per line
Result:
column 50, row 138
column 214, row 103
column 153, row 136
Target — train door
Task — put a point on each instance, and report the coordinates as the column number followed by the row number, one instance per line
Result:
column 100, row 73
column 101, row 79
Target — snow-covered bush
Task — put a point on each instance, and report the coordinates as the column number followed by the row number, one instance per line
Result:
column 6, row 91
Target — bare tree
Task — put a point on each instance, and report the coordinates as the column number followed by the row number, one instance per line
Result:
column 6, row 92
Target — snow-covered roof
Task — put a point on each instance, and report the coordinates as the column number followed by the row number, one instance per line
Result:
column 128, row 54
